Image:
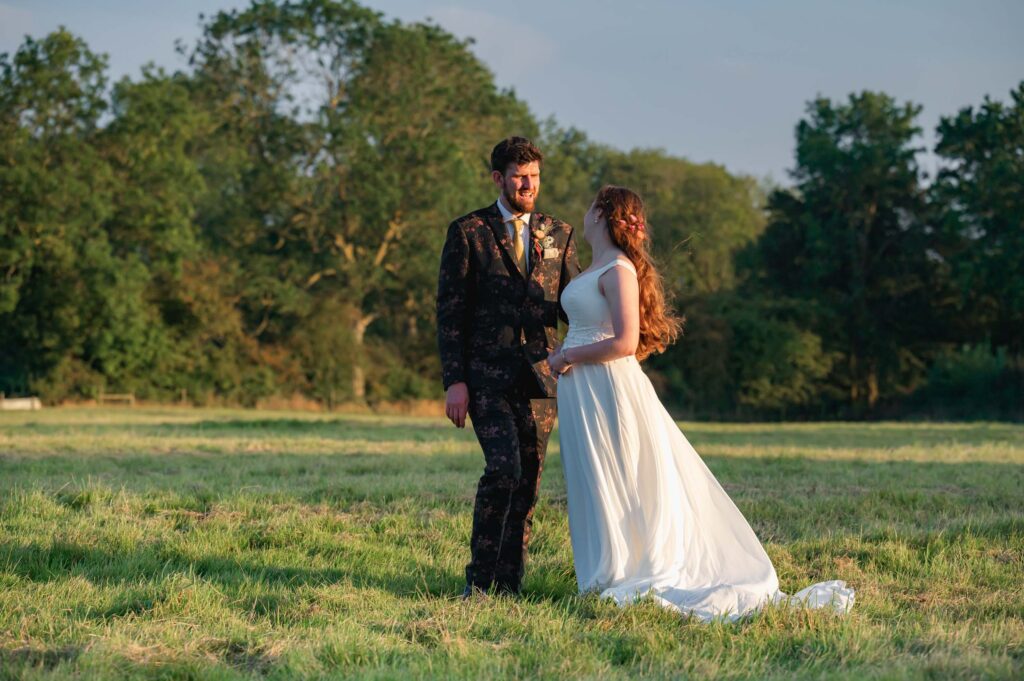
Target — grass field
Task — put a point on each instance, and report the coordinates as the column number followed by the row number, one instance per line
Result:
column 218, row 544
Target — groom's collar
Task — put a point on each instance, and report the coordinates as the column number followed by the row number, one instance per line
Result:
column 506, row 214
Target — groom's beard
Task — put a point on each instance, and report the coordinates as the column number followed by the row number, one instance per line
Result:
column 520, row 205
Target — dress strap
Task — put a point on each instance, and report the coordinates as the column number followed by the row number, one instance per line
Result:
column 618, row 261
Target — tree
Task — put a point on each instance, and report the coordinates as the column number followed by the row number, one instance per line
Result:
column 71, row 308
column 852, row 237
column 979, row 193
column 700, row 216
column 405, row 155
column 351, row 142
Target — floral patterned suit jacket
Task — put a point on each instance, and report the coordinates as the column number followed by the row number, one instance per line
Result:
column 490, row 316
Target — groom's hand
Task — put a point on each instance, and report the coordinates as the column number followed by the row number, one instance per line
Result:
column 456, row 404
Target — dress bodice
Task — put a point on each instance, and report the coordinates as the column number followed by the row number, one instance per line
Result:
column 590, row 318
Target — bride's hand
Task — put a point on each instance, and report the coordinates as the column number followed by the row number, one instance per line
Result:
column 556, row 362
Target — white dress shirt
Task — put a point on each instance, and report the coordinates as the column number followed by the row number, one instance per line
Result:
column 525, row 217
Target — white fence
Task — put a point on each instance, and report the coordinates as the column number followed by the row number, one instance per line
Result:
column 19, row 403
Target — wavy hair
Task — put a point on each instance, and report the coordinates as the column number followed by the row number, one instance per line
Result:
column 518, row 150
column 623, row 210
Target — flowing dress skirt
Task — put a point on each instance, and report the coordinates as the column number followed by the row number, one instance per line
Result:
column 646, row 516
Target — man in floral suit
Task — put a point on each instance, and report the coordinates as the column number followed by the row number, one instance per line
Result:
column 503, row 269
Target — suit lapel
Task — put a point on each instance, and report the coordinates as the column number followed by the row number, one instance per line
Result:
column 536, row 259
column 501, row 236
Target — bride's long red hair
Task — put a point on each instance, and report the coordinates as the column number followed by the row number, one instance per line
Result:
column 623, row 209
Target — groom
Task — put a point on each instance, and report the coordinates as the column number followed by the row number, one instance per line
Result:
column 503, row 269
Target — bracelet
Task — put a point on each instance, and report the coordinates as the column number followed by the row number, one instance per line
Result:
column 565, row 360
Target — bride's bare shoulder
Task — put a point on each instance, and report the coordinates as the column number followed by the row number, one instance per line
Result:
column 619, row 259
column 621, row 278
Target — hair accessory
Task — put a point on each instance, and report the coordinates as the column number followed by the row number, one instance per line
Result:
column 633, row 225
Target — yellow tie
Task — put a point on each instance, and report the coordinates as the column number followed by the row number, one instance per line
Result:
column 518, row 242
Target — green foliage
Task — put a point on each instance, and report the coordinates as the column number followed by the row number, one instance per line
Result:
column 337, row 183
column 981, row 194
column 323, row 345
column 268, row 222
column 972, row 382
column 747, row 355
column 700, row 216
column 852, row 238
column 74, row 301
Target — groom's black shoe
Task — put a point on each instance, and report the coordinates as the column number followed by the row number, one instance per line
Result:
column 507, row 589
column 472, row 590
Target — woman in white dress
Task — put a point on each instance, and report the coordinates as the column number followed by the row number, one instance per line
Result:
column 646, row 516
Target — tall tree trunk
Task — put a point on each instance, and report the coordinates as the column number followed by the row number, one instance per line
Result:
column 358, row 375
column 412, row 328
column 854, row 378
column 872, row 379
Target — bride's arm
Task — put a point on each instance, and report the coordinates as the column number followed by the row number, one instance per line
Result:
column 620, row 287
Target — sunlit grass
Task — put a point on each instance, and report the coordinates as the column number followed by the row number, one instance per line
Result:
column 176, row 543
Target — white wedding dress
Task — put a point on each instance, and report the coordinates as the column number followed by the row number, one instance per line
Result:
column 646, row 516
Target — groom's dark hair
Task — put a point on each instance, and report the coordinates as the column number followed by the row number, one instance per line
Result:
column 518, row 150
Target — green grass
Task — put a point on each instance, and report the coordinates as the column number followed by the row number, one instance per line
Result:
column 196, row 544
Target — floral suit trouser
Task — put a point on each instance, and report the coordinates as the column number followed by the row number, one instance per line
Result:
column 513, row 428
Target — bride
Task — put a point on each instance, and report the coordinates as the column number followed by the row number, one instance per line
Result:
column 646, row 516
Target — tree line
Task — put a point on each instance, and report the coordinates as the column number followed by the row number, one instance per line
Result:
column 268, row 221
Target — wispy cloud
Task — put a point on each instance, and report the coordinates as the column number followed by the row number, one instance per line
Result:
column 511, row 48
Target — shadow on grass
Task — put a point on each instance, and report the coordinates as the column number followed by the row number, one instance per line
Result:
column 785, row 500
column 199, row 480
column 39, row 658
column 879, row 436
column 391, row 429
column 336, row 428
column 158, row 562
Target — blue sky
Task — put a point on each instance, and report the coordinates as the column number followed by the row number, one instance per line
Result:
column 718, row 81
